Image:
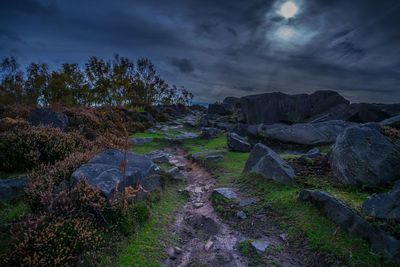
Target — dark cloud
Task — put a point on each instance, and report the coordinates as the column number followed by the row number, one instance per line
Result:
column 184, row 65
column 218, row 48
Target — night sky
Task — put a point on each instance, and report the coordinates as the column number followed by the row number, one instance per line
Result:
column 218, row 48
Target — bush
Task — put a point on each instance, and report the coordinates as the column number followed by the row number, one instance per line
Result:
column 27, row 148
column 390, row 132
column 64, row 232
column 106, row 119
column 46, row 178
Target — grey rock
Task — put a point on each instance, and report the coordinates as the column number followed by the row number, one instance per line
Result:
column 260, row 246
column 265, row 161
column 247, row 202
column 158, row 156
column 12, row 187
column 234, row 101
column 384, row 206
column 176, row 174
column 241, row 215
column 220, row 109
column 362, row 155
column 140, row 140
column 241, row 129
column 203, row 122
column 151, row 131
column 209, row 133
column 198, row 155
column 392, row 122
column 225, row 192
column 237, row 143
column 103, row 171
column 307, row 133
column 186, row 135
column 279, row 107
column 224, row 126
column 344, row 217
column 41, row 116
column 313, row 153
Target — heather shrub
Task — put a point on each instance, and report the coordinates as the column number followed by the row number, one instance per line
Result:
column 45, row 178
column 27, row 148
column 10, row 124
column 99, row 120
column 390, row 132
column 64, row 231
column 16, row 111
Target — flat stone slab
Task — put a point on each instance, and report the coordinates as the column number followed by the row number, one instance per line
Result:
column 226, row 193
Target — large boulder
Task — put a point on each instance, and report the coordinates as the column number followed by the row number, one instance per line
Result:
column 234, row 101
column 103, row 171
column 237, row 144
column 350, row 221
column 278, row 107
column 306, row 133
column 362, row 155
column 220, row 109
column 265, row 161
column 41, row 116
column 384, row 206
column 12, row 187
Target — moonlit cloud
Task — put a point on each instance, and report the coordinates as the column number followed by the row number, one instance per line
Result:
column 218, row 48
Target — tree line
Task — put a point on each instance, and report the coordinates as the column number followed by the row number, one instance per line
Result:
column 114, row 82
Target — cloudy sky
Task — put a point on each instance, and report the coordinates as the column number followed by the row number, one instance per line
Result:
column 219, row 48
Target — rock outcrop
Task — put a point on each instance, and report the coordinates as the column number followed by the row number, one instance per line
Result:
column 210, row 133
column 41, row 116
column 344, row 217
column 237, row 144
column 220, row 109
column 278, row 107
column 265, row 161
column 103, row 171
column 362, row 155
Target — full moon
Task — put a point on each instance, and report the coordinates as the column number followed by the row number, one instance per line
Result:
column 288, row 9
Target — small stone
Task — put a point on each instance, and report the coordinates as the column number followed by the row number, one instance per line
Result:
column 241, row 215
column 171, row 253
column 260, row 246
column 198, row 190
column 247, row 202
column 208, row 246
column 198, row 205
column 178, row 250
column 283, row 236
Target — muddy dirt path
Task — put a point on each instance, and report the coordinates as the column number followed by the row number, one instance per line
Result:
column 207, row 241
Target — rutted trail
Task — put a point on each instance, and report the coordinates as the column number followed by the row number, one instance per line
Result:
column 205, row 238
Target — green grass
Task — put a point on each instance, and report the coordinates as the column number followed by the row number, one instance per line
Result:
column 10, row 211
column 156, row 135
column 150, row 146
column 147, row 247
column 200, row 145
